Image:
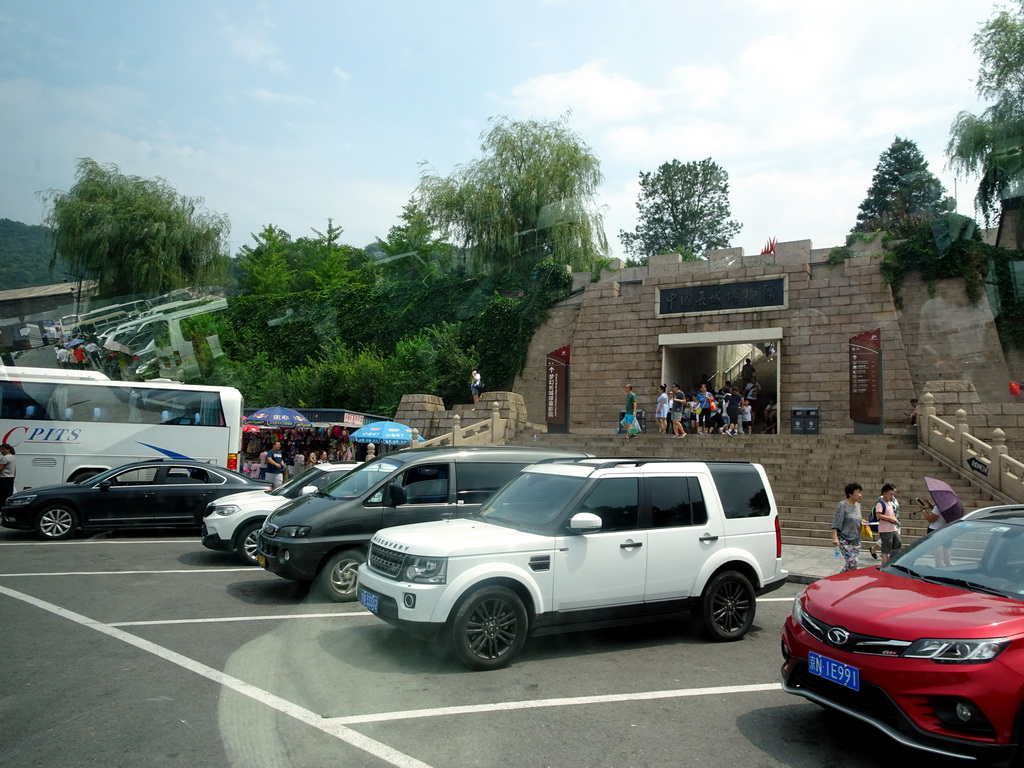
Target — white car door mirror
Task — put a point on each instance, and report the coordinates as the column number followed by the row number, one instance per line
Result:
column 585, row 521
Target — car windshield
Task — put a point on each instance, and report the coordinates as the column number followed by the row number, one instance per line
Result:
column 532, row 501
column 290, row 489
column 978, row 555
column 360, row 480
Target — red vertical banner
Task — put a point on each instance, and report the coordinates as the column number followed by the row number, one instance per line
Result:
column 557, row 386
column 866, row 377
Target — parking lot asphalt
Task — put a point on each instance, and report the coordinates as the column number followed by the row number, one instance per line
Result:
column 153, row 651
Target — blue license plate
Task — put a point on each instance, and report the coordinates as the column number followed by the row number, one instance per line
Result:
column 368, row 600
column 833, row 670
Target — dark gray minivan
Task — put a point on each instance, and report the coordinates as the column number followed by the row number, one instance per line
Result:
column 323, row 537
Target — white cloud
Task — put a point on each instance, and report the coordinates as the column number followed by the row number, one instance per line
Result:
column 251, row 42
column 591, row 92
column 264, row 94
column 698, row 87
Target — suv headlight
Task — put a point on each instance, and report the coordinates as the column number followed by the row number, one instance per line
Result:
column 956, row 651
column 426, row 570
column 227, row 509
column 19, row 501
column 293, row 531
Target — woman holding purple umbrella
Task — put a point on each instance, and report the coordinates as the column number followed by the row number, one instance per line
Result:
column 945, row 509
column 943, row 556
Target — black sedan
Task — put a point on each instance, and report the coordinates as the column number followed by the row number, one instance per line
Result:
column 144, row 494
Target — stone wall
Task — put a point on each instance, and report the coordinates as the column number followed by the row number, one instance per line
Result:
column 421, row 412
column 950, row 337
column 615, row 330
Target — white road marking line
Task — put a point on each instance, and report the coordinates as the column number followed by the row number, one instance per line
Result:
column 360, row 614
column 90, row 541
column 336, row 729
column 509, row 706
column 776, row 599
column 123, row 573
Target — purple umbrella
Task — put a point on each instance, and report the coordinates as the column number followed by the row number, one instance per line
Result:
column 945, row 498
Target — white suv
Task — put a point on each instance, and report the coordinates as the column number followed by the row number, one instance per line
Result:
column 582, row 544
column 232, row 523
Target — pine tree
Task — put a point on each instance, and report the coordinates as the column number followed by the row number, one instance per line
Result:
column 903, row 191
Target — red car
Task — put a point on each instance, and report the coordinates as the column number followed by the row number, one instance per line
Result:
column 928, row 648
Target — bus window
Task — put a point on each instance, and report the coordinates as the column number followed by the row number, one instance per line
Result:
column 20, row 402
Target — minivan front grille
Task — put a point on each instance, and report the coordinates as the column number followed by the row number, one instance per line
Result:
column 386, row 562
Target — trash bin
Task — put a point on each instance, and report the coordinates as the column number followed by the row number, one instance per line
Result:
column 812, row 421
column 641, row 417
column 804, row 420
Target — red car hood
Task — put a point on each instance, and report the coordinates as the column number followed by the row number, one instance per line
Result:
column 885, row 604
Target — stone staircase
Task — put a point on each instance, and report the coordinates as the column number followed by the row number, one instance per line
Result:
column 807, row 472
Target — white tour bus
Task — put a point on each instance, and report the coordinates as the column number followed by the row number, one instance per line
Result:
column 67, row 425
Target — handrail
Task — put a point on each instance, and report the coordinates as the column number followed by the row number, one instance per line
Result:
column 490, row 431
column 989, row 466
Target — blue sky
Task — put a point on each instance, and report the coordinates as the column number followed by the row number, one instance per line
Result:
column 288, row 113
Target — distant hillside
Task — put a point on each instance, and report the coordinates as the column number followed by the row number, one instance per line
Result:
column 25, row 252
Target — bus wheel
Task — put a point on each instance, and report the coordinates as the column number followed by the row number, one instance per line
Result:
column 55, row 522
column 337, row 580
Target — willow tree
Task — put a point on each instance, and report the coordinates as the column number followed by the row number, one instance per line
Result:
column 991, row 145
column 530, row 197
column 135, row 235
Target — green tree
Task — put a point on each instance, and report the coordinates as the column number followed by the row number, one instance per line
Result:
column 682, row 208
column 277, row 265
column 411, row 249
column 264, row 268
column 903, row 191
column 334, row 264
column 135, row 235
column 530, row 197
column 991, row 145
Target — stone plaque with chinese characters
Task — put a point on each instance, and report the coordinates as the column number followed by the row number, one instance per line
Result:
column 720, row 297
column 558, row 386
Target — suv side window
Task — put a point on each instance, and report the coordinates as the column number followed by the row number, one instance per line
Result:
column 476, row 481
column 741, row 490
column 676, row 501
column 615, row 501
column 426, row 484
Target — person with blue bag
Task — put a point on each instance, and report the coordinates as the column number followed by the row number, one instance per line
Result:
column 629, row 423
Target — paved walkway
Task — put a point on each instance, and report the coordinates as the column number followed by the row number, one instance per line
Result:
column 808, row 564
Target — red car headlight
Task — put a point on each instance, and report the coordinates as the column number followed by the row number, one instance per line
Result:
column 956, row 651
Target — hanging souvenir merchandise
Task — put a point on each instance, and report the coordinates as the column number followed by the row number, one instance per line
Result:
column 331, row 441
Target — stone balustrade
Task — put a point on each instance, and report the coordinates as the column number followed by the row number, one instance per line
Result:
column 988, row 465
